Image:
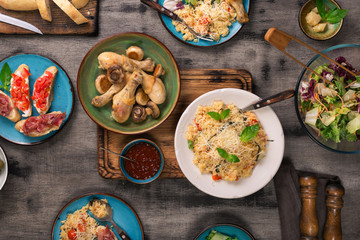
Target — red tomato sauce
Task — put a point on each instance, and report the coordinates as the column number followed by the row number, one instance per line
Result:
column 147, row 161
column 20, row 90
column 42, row 89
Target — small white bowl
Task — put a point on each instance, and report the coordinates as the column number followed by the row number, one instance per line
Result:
column 4, row 170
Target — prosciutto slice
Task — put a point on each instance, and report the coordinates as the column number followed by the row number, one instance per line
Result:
column 43, row 122
column 105, row 233
column 5, row 107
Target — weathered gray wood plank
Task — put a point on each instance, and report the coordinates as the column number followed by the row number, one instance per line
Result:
column 42, row 179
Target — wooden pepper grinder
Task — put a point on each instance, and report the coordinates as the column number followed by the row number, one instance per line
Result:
column 334, row 203
column 309, row 225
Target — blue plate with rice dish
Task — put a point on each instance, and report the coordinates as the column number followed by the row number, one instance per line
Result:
column 233, row 29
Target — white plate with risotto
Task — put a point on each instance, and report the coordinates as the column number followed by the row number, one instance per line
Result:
column 215, row 161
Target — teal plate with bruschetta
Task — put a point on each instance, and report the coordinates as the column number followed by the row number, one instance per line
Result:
column 62, row 92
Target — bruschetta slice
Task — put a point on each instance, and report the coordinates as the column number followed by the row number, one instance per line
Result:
column 43, row 90
column 20, row 90
column 104, row 233
column 7, row 108
column 41, row 125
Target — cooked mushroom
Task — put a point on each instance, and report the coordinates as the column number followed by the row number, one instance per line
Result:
column 141, row 97
column 159, row 71
column 152, row 109
column 115, row 74
column 102, row 84
column 135, row 52
column 138, row 114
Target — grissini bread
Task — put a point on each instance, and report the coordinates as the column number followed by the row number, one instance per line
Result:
column 19, row 5
column 7, row 108
column 20, row 90
column 43, row 92
column 80, row 3
column 41, row 125
column 71, row 11
column 44, row 9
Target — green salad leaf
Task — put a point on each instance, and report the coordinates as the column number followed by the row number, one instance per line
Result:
column 5, row 76
column 219, row 116
column 229, row 157
column 249, row 132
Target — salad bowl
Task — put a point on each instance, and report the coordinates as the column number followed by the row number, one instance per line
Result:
column 351, row 53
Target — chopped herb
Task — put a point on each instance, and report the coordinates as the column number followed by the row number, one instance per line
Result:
column 190, row 144
column 249, row 132
column 5, row 76
column 219, row 116
column 229, row 157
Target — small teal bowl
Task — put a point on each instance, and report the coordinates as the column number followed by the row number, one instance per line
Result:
column 122, row 166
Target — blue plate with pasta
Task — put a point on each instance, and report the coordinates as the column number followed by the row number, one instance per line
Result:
column 220, row 21
column 63, row 96
column 123, row 215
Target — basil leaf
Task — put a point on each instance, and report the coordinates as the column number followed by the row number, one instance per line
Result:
column 5, row 76
column 215, row 115
column 190, row 144
column 194, row 2
column 222, row 153
column 249, row 132
column 335, row 15
column 233, row 158
column 224, row 114
column 320, row 4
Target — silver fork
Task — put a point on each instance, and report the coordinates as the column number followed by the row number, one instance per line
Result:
column 153, row 4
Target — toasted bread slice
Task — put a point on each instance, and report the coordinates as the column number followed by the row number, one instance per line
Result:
column 43, row 92
column 49, row 122
column 20, row 90
column 71, row 11
column 44, row 9
column 80, row 3
column 7, row 108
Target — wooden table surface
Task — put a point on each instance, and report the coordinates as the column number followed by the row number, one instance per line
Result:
column 43, row 178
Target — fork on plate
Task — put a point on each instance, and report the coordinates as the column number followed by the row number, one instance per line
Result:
column 153, row 4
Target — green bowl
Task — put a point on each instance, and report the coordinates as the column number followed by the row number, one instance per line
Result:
column 89, row 70
column 331, row 29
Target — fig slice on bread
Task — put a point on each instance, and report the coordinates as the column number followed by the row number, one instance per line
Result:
column 43, row 90
column 7, row 108
column 20, row 90
column 41, row 125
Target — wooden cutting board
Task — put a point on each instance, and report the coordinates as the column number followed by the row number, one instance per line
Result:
column 194, row 83
column 61, row 23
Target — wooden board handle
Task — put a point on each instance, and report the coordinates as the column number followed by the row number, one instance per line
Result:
column 334, row 204
column 153, row 4
column 309, row 225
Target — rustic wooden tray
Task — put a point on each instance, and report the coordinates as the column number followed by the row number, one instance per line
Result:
column 61, row 23
column 194, row 83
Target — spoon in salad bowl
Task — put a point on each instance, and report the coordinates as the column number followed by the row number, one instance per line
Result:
column 109, row 218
